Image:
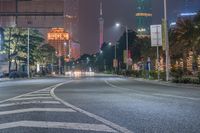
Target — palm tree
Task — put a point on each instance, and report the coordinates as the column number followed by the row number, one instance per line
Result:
column 197, row 32
column 183, row 39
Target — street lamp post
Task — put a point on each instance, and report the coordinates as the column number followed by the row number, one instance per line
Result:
column 116, row 57
column 127, row 49
column 166, row 41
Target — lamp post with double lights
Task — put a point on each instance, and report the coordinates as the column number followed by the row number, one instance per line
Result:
column 115, row 62
column 127, row 53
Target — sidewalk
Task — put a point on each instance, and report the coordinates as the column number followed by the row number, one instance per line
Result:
column 169, row 83
column 4, row 79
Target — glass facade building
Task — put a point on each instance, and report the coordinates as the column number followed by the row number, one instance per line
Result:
column 143, row 17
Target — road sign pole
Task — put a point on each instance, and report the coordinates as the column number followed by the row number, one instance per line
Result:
column 28, row 54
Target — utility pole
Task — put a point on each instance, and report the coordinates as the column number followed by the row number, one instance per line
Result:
column 127, row 53
column 166, row 41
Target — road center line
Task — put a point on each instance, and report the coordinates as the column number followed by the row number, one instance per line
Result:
column 106, row 122
column 59, row 125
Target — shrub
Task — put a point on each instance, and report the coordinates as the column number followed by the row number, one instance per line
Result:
column 136, row 74
column 198, row 76
column 195, row 81
column 186, row 80
column 163, row 75
column 16, row 74
column 153, row 74
column 177, row 73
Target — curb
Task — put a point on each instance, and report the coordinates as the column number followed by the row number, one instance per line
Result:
column 179, row 85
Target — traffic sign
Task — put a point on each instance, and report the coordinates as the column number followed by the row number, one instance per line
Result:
column 115, row 63
column 156, row 35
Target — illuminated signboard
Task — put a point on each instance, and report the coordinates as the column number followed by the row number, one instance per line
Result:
column 1, row 39
column 58, row 34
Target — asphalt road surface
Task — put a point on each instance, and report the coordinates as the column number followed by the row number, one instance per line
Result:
column 100, row 104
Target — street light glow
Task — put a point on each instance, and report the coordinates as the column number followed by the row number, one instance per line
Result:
column 117, row 24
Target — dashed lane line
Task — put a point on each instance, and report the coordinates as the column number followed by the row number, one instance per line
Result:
column 26, row 103
column 58, row 125
column 36, row 110
column 101, row 119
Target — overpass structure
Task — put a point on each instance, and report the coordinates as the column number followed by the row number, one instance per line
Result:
column 38, row 13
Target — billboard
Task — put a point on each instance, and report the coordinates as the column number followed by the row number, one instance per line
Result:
column 1, row 38
column 156, row 35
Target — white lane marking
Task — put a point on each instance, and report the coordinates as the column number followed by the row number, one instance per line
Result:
column 36, row 110
column 48, row 88
column 175, row 96
column 32, row 102
column 35, row 95
column 135, row 91
column 101, row 119
column 30, row 98
column 39, row 93
column 58, row 125
column 155, row 94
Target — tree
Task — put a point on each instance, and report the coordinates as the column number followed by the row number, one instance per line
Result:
column 184, row 38
column 16, row 45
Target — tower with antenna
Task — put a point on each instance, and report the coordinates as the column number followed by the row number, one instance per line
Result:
column 101, row 26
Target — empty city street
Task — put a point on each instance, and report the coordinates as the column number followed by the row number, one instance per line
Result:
column 98, row 104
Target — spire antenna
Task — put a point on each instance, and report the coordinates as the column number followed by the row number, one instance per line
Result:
column 101, row 9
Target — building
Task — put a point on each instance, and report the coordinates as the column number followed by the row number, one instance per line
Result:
column 187, row 12
column 58, row 38
column 187, row 6
column 101, row 27
column 41, row 14
column 143, row 17
column 75, row 50
column 1, row 38
column 71, row 16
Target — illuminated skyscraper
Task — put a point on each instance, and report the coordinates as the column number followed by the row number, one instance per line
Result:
column 143, row 17
column 187, row 6
column 71, row 13
column 101, row 27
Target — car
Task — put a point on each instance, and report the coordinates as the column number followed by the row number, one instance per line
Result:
column 1, row 74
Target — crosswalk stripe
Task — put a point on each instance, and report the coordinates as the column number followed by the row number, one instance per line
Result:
column 36, row 110
column 58, row 125
column 30, row 98
column 34, row 95
column 32, row 102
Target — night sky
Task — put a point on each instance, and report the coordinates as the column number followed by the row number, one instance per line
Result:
column 122, row 11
